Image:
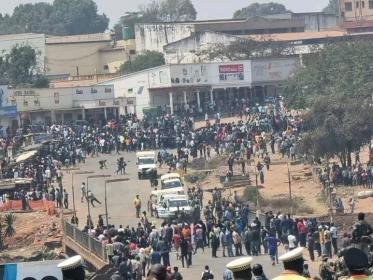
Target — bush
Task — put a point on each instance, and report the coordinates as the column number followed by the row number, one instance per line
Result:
column 251, row 194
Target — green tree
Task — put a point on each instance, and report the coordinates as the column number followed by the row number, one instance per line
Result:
column 19, row 68
column 332, row 7
column 6, row 227
column 257, row 10
column 78, row 17
column 336, row 126
column 341, row 69
column 129, row 20
column 143, row 61
column 157, row 11
column 246, row 49
column 335, row 86
column 177, row 10
column 63, row 17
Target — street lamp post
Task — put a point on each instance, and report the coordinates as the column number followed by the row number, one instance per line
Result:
column 290, row 193
column 89, row 208
column 109, row 182
column 72, row 184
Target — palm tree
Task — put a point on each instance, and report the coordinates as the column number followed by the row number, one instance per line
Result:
column 6, row 227
column 10, row 219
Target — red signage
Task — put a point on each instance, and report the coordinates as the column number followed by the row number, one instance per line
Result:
column 233, row 68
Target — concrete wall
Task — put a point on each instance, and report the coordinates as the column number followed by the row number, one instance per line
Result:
column 224, row 74
column 64, row 58
column 36, row 41
column 153, row 37
column 189, row 50
column 317, row 21
column 273, row 70
column 33, row 99
column 359, row 10
column 134, row 88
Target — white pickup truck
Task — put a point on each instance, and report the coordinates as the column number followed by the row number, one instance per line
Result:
column 169, row 204
column 146, row 164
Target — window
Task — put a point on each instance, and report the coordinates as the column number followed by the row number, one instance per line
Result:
column 93, row 90
column 106, row 67
column 370, row 3
column 132, row 52
column 107, row 90
column 56, row 98
column 363, row 4
column 25, row 103
column 348, row 6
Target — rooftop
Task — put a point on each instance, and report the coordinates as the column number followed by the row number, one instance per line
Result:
column 20, row 36
column 297, row 36
column 84, row 38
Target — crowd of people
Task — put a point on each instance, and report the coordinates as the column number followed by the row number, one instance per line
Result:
column 226, row 225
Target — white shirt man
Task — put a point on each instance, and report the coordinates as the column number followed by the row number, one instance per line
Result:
column 292, row 242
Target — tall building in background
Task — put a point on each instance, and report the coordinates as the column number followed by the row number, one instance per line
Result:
column 356, row 15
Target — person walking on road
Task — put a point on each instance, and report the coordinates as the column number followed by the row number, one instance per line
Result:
column 137, row 205
column 83, row 192
column 65, row 199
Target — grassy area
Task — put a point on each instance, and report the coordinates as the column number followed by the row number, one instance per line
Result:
column 277, row 204
column 195, row 177
column 202, row 163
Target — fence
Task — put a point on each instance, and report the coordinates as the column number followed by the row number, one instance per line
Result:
column 83, row 239
column 41, row 205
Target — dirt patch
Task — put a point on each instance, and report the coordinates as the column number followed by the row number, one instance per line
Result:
column 33, row 231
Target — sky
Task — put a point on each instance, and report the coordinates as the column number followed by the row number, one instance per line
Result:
column 206, row 9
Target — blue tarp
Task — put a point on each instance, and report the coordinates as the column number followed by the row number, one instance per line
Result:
column 10, row 272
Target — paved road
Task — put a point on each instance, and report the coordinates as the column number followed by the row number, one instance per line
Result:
column 121, row 211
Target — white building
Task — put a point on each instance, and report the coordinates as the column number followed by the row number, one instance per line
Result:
column 64, row 104
column 36, row 41
column 8, row 112
column 173, row 87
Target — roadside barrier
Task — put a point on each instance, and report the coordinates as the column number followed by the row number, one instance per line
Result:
column 37, row 205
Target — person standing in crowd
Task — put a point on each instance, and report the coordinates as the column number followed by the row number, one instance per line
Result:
column 361, row 233
column 293, row 265
column 137, row 205
column 357, row 262
column 207, row 273
column 241, row 268
column 267, row 161
column 176, row 275
column 272, row 243
column 334, row 236
column 258, row 272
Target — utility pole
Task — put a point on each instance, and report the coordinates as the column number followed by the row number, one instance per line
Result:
column 290, row 194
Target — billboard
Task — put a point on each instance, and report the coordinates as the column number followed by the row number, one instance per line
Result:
column 273, row 70
column 231, row 72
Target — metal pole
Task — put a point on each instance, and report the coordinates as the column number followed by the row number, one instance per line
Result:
column 106, row 212
column 73, row 190
column 290, row 195
column 257, row 189
column 89, row 208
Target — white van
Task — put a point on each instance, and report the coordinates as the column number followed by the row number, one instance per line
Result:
column 172, row 181
column 169, row 204
column 146, row 164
